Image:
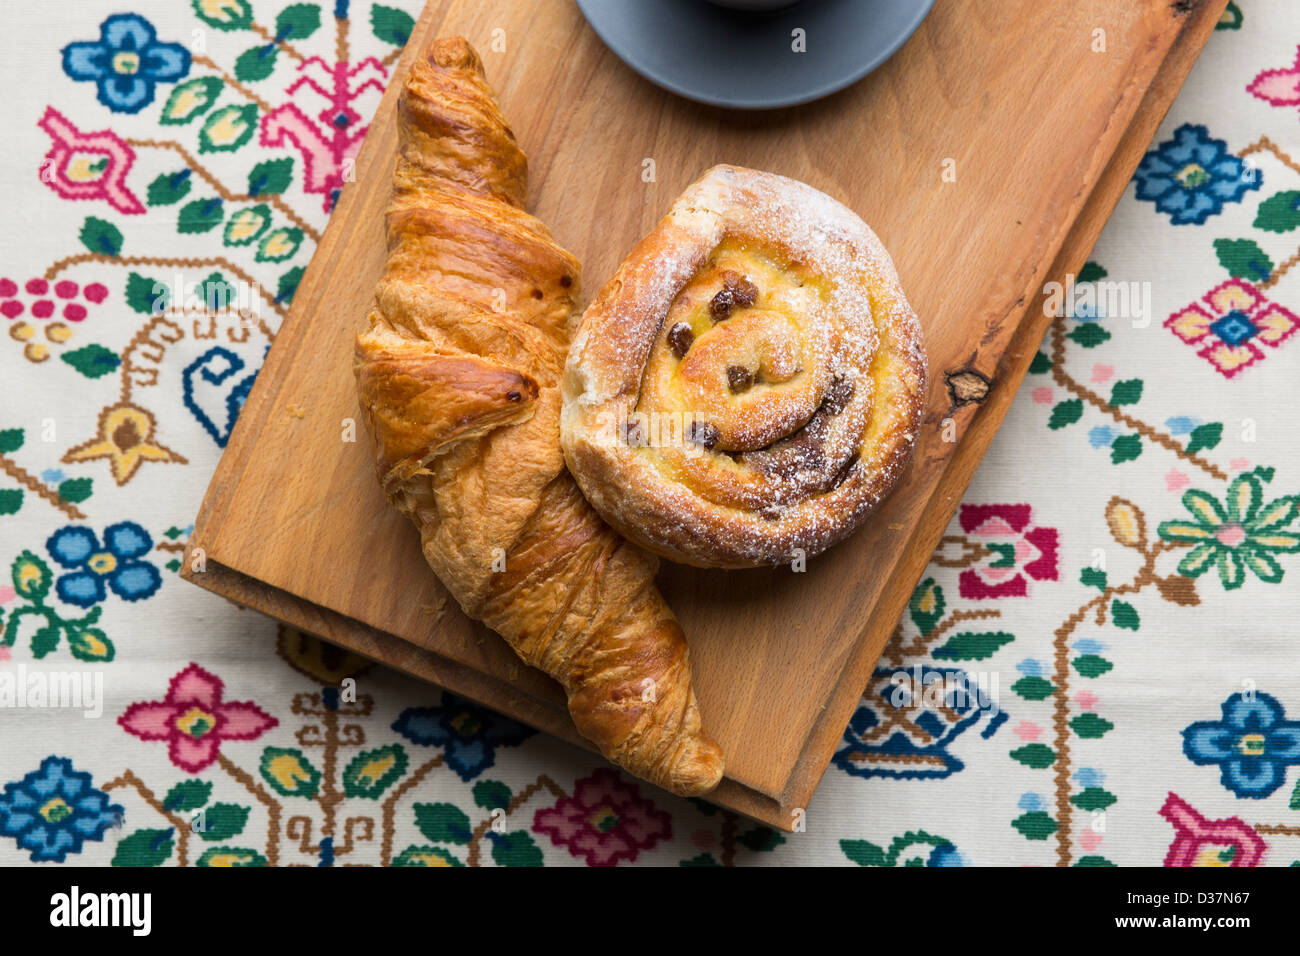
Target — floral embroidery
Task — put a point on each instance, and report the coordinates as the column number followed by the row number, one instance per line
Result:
column 126, row 63
column 116, row 564
column 125, row 437
column 1017, row 553
column 1253, row 744
column 914, row 848
column 468, row 734
column 1280, row 87
column 87, row 165
column 1202, row 842
column 194, row 720
column 46, row 300
column 54, row 809
column 605, row 821
column 1191, row 176
column 1229, row 328
column 1241, row 533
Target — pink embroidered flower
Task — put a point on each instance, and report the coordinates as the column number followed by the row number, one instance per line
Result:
column 1202, row 842
column 1231, row 324
column 87, row 165
column 1017, row 552
column 194, row 720
column 1278, row 87
column 606, row 820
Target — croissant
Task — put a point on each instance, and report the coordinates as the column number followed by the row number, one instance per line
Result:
column 458, row 375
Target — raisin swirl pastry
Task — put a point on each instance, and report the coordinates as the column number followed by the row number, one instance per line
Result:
column 749, row 385
column 458, row 374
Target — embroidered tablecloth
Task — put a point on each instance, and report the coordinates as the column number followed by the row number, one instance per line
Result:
column 1115, row 582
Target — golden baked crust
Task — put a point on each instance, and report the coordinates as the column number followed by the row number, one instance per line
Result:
column 750, row 383
column 458, row 375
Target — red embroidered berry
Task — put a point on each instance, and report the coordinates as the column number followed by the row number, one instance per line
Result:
column 43, row 309
column 8, row 288
column 37, row 286
column 74, row 312
column 66, row 289
column 95, row 292
column 12, row 309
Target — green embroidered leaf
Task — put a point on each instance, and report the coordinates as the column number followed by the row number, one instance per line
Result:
column 761, row 839
column 1088, row 334
column 491, row 795
column 1124, row 615
column 169, row 188
column 190, row 100
column 31, row 577
column 221, row 821
column 101, row 237
column 279, row 244
column 1126, row 392
column 1036, row 825
column 926, row 606
column 270, row 177
column 11, row 499
column 245, row 225
column 704, row 859
column 443, row 822
column 144, row 848
column 1038, row 756
column 90, row 644
column 1093, row 578
column 92, row 361
column 1091, row 272
column 1295, row 797
column 1090, row 665
column 1279, row 213
column 45, row 640
column 188, row 795
column 1040, row 364
column 147, row 296
column 256, row 63
column 426, row 856
column 1125, row 448
column 1243, row 259
column 371, row 772
column 218, row 294
column 969, row 646
column 75, row 490
column 289, row 772
column 1090, row 726
column 864, row 853
column 1033, row 688
column 390, row 24
column 225, row 15
column 227, row 129
column 1205, row 436
column 297, row 22
column 288, row 284
column 1065, row 413
column 11, row 439
column 232, row 856
column 202, row 215
column 515, row 849
column 1093, row 798
column 1231, row 20
column 1093, row 860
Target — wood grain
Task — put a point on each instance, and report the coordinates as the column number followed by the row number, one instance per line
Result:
column 1043, row 134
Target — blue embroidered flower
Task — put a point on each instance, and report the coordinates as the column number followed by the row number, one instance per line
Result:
column 468, row 734
column 126, row 63
column 53, row 809
column 116, row 564
column 1253, row 744
column 1191, row 176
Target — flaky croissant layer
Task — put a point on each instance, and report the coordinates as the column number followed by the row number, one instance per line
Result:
column 458, row 375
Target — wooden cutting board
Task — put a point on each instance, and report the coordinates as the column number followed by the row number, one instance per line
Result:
column 987, row 154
